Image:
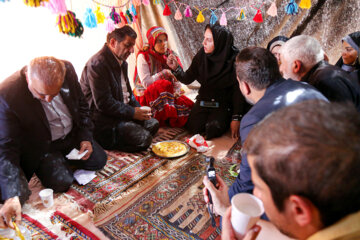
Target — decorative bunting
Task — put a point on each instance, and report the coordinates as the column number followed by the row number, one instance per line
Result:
column 213, row 18
column 128, row 16
column 70, row 25
column 200, row 18
column 167, row 11
column 114, row 16
column 223, row 20
column 305, row 4
column 133, row 10
column 123, row 19
column 258, row 17
column 56, row 6
column 100, row 16
column 242, row 15
column 188, row 12
column 109, row 25
column 272, row 11
column 34, row 3
column 291, row 8
column 156, row 2
column 90, row 18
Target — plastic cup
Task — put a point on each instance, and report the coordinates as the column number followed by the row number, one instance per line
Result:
column 47, row 198
column 246, row 210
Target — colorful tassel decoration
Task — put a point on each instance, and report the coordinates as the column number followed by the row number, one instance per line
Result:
column 200, row 18
column 213, row 18
column 242, row 15
column 305, row 4
column 70, row 25
column 188, row 12
column 156, row 1
column 34, row 3
column 100, row 16
column 146, row 2
column 90, row 18
column 109, row 25
column 133, row 10
column 223, row 20
column 123, row 19
column 137, row 2
column 128, row 16
column 56, row 6
column 115, row 16
column 178, row 16
column 167, row 11
column 272, row 11
column 291, row 8
column 258, row 17
column 4, row 1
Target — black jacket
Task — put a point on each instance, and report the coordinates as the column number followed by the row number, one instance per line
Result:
column 101, row 84
column 334, row 83
column 24, row 129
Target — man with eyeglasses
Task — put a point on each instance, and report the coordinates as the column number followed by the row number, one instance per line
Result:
column 43, row 116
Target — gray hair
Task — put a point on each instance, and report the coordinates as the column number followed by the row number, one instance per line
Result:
column 303, row 48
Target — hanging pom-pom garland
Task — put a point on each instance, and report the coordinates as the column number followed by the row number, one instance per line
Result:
column 258, row 17
column 123, row 19
column 242, row 15
column 188, row 12
column 70, row 25
column 56, row 6
column 305, row 4
column 34, row 3
column 146, row 2
column 167, row 11
column 133, row 10
column 223, row 20
column 100, row 16
column 200, row 18
column 128, row 16
column 115, row 16
column 109, row 25
column 137, row 2
column 272, row 11
column 90, row 18
column 291, row 8
column 213, row 18
column 178, row 15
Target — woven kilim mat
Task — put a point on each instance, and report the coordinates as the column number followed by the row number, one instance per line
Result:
column 122, row 170
column 167, row 204
column 37, row 230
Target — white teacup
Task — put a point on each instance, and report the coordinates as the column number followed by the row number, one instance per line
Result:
column 246, row 210
column 47, row 198
column 148, row 109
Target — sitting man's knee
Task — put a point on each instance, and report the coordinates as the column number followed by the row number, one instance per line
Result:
column 152, row 125
column 214, row 129
column 61, row 183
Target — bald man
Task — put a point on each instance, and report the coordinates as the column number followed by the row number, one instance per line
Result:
column 43, row 116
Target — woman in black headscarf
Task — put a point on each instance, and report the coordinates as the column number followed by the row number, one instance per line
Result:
column 219, row 103
column 349, row 60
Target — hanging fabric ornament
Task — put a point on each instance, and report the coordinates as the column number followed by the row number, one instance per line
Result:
column 146, row 2
column 114, row 16
column 156, row 1
column 305, row 4
column 56, row 6
column 109, row 24
column 178, row 16
column 123, row 19
column 258, row 17
column 200, row 18
column 128, row 16
column 291, row 8
column 242, row 15
column 133, row 10
column 70, row 25
column 213, row 18
column 188, row 12
column 34, row 3
column 272, row 11
column 90, row 18
column 137, row 2
column 167, row 11
column 100, row 16
column 223, row 20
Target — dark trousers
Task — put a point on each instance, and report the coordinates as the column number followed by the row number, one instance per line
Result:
column 127, row 136
column 212, row 122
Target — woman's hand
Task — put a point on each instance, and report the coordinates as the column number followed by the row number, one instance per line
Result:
column 172, row 62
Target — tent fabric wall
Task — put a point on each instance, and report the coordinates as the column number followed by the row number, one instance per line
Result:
column 328, row 21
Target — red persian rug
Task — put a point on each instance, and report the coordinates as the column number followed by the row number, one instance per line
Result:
column 168, row 204
column 121, row 172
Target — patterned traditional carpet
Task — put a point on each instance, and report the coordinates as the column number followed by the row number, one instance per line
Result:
column 168, row 204
column 121, row 172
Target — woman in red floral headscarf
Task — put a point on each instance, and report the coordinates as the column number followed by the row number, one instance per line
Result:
column 156, row 86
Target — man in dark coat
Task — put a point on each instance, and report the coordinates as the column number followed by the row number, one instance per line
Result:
column 262, row 85
column 43, row 116
column 302, row 59
column 119, row 121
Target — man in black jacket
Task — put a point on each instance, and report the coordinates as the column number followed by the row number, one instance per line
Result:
column 43, row 116
column 119, row 121
column 302, row 59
